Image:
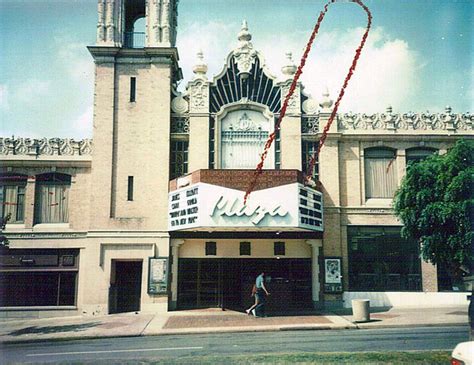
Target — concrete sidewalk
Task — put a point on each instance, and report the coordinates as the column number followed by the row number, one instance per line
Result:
column 214, row 321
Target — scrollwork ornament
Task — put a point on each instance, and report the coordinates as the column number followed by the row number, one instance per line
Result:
column 199, row 96
column 360, row 122
column 65, row 147
column 179, row 105
column 310, row 106
column 85, row 147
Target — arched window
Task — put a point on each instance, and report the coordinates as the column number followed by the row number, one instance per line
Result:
column 243, row 137
column 12, row 197
column 380, row 173
column 414, row 155
column 52, row 198
column 135, row 34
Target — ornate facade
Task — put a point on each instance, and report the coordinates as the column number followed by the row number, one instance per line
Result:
column 150, row 215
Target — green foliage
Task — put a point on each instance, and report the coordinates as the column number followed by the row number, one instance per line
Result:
column 434, row 203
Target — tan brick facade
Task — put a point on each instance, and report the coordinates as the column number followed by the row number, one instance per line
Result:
column 132, row 139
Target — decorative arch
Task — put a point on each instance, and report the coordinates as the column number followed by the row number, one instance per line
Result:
column 257, row 86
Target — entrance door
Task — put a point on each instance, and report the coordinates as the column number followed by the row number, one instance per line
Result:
column 227, row 283
column 125, row 289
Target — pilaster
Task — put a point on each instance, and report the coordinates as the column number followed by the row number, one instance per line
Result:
column 30, row 201
column 290, row 129
column 316, row 284
column 175, row 244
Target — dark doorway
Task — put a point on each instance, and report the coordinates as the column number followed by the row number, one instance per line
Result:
column 125, row 287
column 227, row 283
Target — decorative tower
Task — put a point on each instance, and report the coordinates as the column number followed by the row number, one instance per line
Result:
column 134, row 76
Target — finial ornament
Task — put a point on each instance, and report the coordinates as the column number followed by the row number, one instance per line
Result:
column 326, row 102
column 200, row 68
column 290, row 68
column 244, row 54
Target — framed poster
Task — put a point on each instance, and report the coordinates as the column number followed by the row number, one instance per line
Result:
column 157, row 275
column 333, row 275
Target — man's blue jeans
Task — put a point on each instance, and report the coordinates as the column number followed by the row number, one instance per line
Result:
column 260, row 308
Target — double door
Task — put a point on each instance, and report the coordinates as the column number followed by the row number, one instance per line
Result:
column 227, row 283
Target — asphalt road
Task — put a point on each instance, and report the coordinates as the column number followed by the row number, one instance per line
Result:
column 169, row 346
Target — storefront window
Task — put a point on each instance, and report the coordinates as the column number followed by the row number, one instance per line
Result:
column 12, row 197
column 381, row 260
column 52, row 198
column 30, row 278
column 380, row 173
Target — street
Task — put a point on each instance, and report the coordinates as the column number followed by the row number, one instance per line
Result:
column 172, row 346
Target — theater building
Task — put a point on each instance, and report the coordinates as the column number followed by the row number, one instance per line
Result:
column 150, row 215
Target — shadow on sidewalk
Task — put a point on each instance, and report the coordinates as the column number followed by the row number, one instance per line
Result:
column 54, row 329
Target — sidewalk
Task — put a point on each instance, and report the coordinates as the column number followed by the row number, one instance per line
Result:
column 214, row 321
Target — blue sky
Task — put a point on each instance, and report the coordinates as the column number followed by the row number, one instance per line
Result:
column 419, row 55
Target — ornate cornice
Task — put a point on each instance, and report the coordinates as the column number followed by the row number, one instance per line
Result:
column 45, row 147
column 441, row 122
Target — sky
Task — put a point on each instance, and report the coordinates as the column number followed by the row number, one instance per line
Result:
column 418, row 57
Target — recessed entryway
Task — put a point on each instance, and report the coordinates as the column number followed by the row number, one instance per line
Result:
column 125, row 286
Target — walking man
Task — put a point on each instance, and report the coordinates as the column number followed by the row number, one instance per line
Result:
column 258, row 309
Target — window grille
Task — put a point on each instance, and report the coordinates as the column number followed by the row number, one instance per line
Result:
column 308, row 150
column 179, row 159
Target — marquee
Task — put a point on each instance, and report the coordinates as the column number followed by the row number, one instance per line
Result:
column 212, row 207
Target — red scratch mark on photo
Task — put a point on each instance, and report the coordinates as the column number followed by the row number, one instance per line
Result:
column 298, row 73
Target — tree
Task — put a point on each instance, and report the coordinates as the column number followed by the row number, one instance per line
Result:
column 435, row 203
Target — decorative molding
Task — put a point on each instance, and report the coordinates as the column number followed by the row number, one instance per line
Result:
column 310, row 124
column 180, row 124
column 199, row 96
column 244, row 54
column 294, row 104
column 446, row 121
column 45, row 146
column 44, row 235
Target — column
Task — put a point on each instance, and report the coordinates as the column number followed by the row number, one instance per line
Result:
column 109, row 22
column 101, row 22
column 316, row 285
column 30, row 201
column 175, row 244
column 152, row 26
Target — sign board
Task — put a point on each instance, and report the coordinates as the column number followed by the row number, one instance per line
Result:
column 157, row 275
column 206, row 205
column 332, row 275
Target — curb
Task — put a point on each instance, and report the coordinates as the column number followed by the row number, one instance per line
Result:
column 230, row 330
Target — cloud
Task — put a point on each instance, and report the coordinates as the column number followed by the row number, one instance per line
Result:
column 77, row 61
column 31, row 91
column 216, row 39
column 4, row 97
column 82, row 126
column 387, row 72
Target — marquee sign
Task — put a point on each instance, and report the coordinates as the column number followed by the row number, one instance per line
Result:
column 212, row 206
